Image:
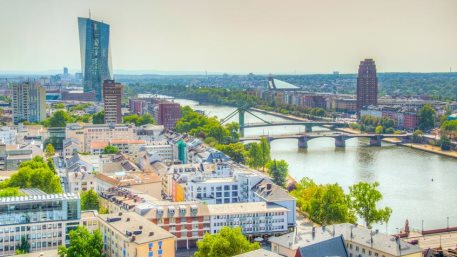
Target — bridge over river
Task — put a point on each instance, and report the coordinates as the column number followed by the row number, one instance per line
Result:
column 340, row 138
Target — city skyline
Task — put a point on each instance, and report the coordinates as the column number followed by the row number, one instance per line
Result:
column 300, row 37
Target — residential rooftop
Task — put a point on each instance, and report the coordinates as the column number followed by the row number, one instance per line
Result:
column 130, row 222
column 237, row 208
column 357, row 234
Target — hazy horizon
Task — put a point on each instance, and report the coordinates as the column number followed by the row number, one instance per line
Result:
column 235, row 37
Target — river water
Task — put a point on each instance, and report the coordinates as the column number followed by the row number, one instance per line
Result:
column 418, row 186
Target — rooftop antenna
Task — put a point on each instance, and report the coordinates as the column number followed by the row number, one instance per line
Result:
column 90, row 17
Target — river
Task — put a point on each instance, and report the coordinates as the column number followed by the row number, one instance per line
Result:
column 418, row 186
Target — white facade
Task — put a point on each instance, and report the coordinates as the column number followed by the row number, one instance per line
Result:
column 254, row 218
column 161, row 149
column 8, row 136
column 81, row 181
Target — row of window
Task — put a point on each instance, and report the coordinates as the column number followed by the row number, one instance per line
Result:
column 357, row 249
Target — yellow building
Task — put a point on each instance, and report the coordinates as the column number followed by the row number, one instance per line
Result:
column 130, row 235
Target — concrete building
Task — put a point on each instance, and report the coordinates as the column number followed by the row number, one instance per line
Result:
column 45, row 219
column 127, row 146
column 367, row 85
column 8, row 135
column 81, row 182
column 112, row 99
column 129, row 234
column 146, row 183
column 168, row 114
column 360, row 242
column 99, row 132
column 138, row 106
column 255, row 219
column 28, row 102
column 11, row 156
column 95, row 54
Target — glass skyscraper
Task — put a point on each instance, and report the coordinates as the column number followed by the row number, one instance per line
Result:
column 95, row 54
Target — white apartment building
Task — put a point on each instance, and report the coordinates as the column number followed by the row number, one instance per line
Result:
column 99, row 132
column 81, row 181
column 254, row 218
column 162, row 149
column 8, row 135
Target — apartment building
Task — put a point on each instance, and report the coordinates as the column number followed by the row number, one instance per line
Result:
column 99, row 132
column 8, row 135
column 44, row 219
column 112, row 100
column 28, row 102
column 128, row 234
column 127, row 146
column 188, row 221
column 359, row 242
column 255, row 219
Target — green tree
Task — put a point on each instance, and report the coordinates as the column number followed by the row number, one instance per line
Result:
column 255, row 158
column 34, row 174
column 264, row 152
column 50, row 150
column 58, row 119
column 236, row 151
column 418, row 136
column 110, row 150
column 324, row 204
column 444, row 142
column 278, row 171
column 10, row 191
column 379, row 129
column 59, row 106
column 426, row 118
column 364, row 198
column 228, row 242
column 329, row 205
column 98, row 118
column 51, row 165
column 24, row 246
column 83, row 244
column 90, row 200
column 138, row 120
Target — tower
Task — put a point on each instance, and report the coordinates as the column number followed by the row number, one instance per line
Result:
column 367, row 85
column 95, row 54
column 112, row 97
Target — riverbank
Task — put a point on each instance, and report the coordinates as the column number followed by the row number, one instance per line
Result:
column 426, row 148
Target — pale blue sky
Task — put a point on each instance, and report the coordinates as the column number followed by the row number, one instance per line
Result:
column 236, row 36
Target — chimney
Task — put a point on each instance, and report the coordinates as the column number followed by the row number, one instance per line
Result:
column 151, row 233
column 120, row 213
column 128, row 219
column 141, row 227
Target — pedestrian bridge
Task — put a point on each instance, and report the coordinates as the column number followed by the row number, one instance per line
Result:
column 340, row 138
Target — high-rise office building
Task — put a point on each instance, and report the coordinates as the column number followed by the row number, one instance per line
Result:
column 367, row 85
column 95, row 54
column 112, row 97
column 168, row 114
column 65, row 71
column 29, row 102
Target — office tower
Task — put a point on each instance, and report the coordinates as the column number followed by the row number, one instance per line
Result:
column 29, row 102
column 367, row 85
column 95, row 54
column 43, row 219
column 65, row 71
column 168, row 114
column 112, row 97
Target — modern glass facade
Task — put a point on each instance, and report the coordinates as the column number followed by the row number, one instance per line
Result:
column 44, row 220
column 95, row 54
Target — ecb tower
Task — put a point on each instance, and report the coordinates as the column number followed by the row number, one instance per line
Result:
column 95, row 55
